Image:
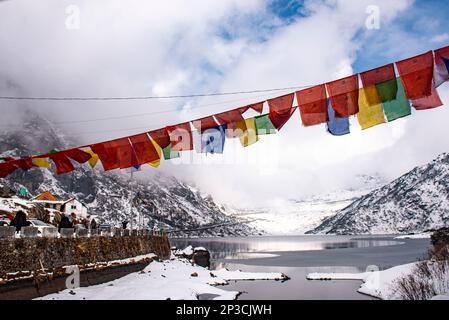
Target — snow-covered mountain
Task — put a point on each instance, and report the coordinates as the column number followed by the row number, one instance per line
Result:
column 293, row 217
column 417, row 201
column 162, row 198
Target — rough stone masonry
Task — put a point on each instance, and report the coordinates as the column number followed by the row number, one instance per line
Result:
column 51, row 253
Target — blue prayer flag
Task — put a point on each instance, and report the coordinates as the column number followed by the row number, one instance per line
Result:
column 213, row 139
column 336, row 126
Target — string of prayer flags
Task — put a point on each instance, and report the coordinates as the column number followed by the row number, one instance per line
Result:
column 213, row 140
column 416, row 74
column 94, row 158
column 312, row 103
column 441, row 71
column 370, row 108
column 430, row 102
column 250, row 136
column 344, row 96
column 281, row 110
column 264, row 125
column 398, row 108
column 336, row 126
column 144, row 149
column 181, row 137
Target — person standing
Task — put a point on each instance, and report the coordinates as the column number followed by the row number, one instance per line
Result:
column 19, row 221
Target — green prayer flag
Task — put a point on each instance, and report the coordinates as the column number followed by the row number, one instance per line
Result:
column 169, row 153
column 399, row 107
column 388, row 90
column 264, row 125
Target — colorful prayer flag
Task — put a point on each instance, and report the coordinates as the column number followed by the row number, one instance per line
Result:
column 430, row 102
column 161, row 137
column 204, row 123
column 144, row 148
column 94, row 158
column 312, row 104
column 41, row 162
column 62, row 163
column 169, row 153
column 264, row 125
column 78, row 155
column 344, row 96
column 378, row 75
column 370, row 108
column 416, row 74
column 399, row 107
column 213, row 140
column 281, row 110
column 156, row 163
column 336, row 126
column 441, row 67
column 250, row 136
column 181, row 137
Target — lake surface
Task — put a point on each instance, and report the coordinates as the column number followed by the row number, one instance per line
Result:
column 296, row 256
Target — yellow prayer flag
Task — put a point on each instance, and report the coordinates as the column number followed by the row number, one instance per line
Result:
column 250, row 135
column 41, row 162
column 156, row 163
column 371, row 111
column 92, row 161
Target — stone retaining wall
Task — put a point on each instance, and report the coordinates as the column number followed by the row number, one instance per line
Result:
column 29, row 254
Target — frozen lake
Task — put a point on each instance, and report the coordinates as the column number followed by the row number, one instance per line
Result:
column 297, row 256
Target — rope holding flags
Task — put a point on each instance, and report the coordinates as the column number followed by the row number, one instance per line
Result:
column 385, row 96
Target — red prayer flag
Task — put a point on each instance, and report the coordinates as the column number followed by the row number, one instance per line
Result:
column 430, row 102
column 234, row 121
column 115, row 154
column 279, row 119
column 281, row 104
column 204, row 123
column 161, row 137
column 312, row 103
column 378, row 75
column 258, row 107
column 144, row 149
column 181, row 137
column 6, row 168
column 344, row 96
column 62, row 162
column 416, row 75
column 78, row 155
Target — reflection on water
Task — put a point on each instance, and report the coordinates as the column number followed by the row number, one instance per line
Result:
column 253, row 247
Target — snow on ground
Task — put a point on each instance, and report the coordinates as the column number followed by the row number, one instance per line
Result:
column 415, row 236
column 175, row 279
column 378, row 284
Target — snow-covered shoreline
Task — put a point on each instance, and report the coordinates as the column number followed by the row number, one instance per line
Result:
column 174, row 279
column 378, row 284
